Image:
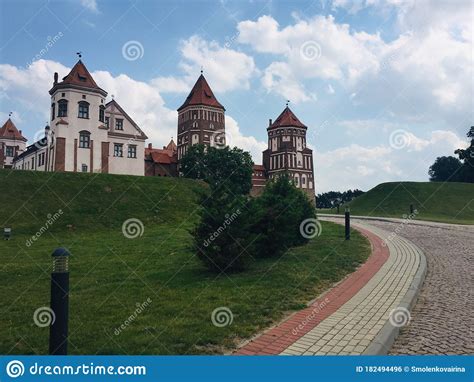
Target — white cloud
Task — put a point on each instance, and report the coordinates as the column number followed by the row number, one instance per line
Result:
column 91, row 5
column 248, row 143
column 224, row 68
column 149, row 110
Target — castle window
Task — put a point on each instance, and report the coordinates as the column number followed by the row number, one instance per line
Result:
column 62, row 108
column 83, row 110
column 63, row 94
column 107, row 119
column 101, row 113
column 84, row 139
column 9, row 151
column 84, row 168
column 118, row 150
column 211, row 126
column 53, row 111
column 132, row 151
column 195, row 125
column 119, row 124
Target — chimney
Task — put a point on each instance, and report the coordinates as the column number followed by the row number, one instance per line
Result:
column 149, row 145
column 269, row 122
column 55, row 78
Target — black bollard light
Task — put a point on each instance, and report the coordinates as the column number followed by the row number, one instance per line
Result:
column 7, row 233
column 412, row 209
column 347, row 216
column 59, row 302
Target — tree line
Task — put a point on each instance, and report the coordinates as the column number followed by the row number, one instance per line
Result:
column 452, row 169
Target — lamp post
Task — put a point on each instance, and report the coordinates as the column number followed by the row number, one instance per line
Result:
column 347, row 219
column 412, row 209
column 59, row 302
column 7, row 233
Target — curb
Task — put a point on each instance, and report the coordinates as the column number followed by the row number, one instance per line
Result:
column 383, row 341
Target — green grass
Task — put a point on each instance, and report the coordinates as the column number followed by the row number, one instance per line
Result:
column 435, row 201
column 110, row 274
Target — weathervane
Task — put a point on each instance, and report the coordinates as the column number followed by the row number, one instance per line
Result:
column 10, row 113
column 201, row 69
column 287, row 102
column 112, row 96
column 79, row 54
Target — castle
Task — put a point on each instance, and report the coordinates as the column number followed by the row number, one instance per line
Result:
column 86, row 134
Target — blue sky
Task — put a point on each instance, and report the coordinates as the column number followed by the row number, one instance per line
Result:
column 384, row 86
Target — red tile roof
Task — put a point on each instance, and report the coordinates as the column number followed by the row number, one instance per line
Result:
column 201, row 94
column 78, row 76
column 166, row 155
column 9, row 131
column 258, row 167
column 287, row 118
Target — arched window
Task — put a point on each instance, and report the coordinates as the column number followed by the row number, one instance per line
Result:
column 195, row 125
column 83, row 110
column 62, row 108
column 101, row 113
column 211, row 126
column 84, row 139
column 53, row 111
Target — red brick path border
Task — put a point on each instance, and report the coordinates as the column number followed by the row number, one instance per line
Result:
column 277, row 339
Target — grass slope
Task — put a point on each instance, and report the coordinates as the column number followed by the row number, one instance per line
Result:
column 436, row 201
column 110, row 274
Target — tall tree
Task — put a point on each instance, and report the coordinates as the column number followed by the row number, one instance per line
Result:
column 220, row 167
column 445, row 169
column 467, row 156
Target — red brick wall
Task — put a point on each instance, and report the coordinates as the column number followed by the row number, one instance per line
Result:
column 60, row 157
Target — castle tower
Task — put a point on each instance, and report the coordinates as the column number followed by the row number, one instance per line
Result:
column 12, row 143
column 201, row 119
column 77, row 122
column 287, row 151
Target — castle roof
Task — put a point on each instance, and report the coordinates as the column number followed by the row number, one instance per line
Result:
column 80, row 77
column 9, row 131
column 201, row 94
column 287, row 119
column 167, row 155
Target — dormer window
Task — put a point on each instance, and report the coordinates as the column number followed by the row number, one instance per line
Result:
column 101, row 113
column 62, row 108
column 81, row 78
column 83, row 110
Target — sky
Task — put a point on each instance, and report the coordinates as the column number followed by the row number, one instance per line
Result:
column 384, row 86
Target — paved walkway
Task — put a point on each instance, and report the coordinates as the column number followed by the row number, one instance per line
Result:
column 442, row 319
column 353, row 317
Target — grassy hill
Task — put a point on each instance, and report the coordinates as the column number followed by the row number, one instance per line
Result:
column 436, row 201
column 110, row 274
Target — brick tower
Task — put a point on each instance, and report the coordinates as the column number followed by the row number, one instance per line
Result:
column 201, row 118
column 287, row 151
